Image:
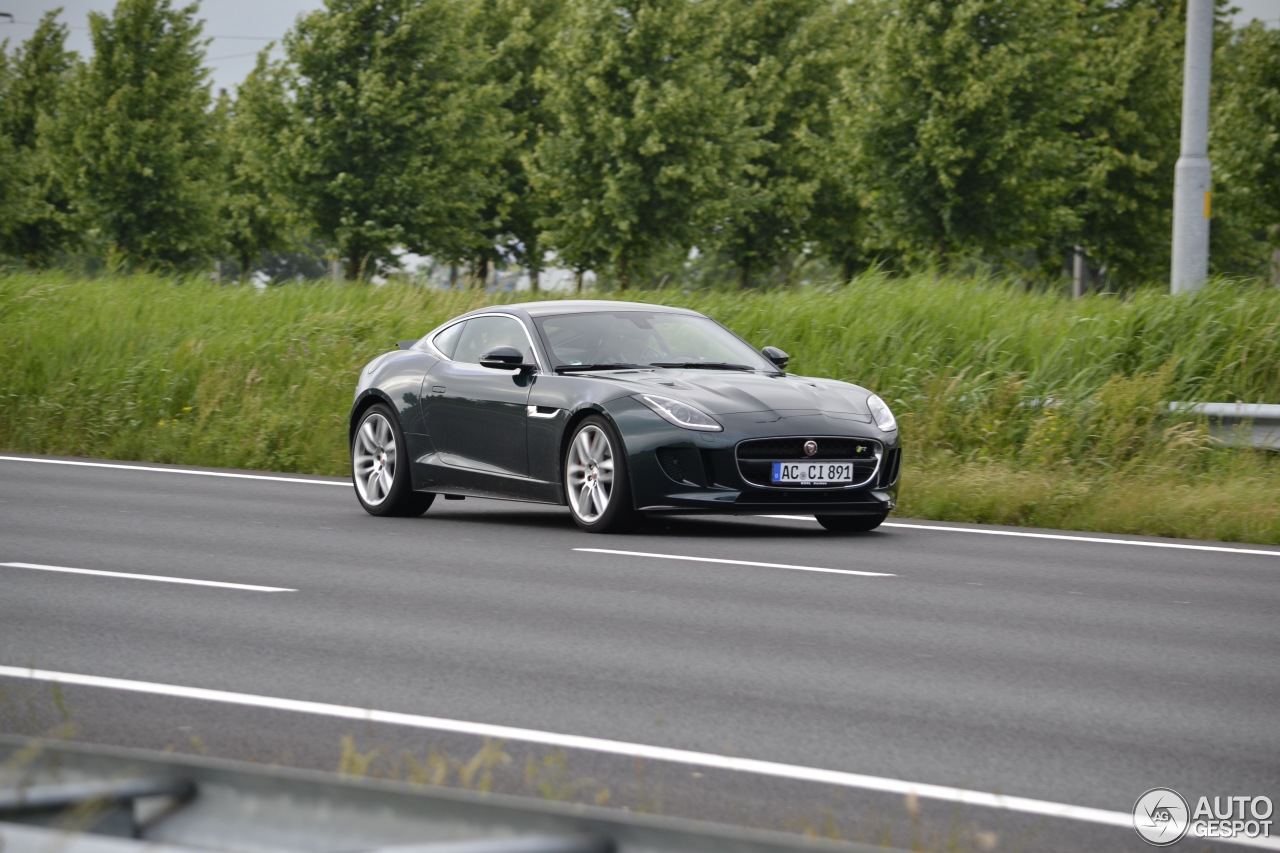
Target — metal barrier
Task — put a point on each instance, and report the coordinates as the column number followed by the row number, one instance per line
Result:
column 1240, row 424
column 76, row 798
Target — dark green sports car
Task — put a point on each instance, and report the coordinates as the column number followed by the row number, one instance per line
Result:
column 616, row 408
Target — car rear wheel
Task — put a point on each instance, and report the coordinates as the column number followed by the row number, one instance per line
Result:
column 851, row 523
column 596, row 484
column 380, row 467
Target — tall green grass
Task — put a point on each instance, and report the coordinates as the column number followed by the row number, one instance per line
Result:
column 1016, row 407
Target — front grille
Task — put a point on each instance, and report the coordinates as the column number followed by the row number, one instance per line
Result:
column 783, row 449
column 756, row 457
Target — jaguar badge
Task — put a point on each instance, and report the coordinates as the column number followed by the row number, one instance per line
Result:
column 810, row 448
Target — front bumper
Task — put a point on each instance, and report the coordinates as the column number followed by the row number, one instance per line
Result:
column 679, row 471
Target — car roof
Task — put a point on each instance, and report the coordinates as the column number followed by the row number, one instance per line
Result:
column 580, row 306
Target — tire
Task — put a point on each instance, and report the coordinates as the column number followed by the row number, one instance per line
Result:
column 851, row 523
column 597, row 486
column 380, row 467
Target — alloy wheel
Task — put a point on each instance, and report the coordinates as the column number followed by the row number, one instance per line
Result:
column 373, row 459
column 589, row 471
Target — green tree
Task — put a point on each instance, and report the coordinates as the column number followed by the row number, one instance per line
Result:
column 1127, row 131
column 784, row 57
column 517, row 35
column 1245, row 148
column 393, row 138
column 839, row 225
column 255, row 210
column 11, row 197
column 40, row 224
column 957, row 124
column 38, row 75
column 143, row 136
column 651, row 138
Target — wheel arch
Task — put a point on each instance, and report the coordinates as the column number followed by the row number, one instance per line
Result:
column 364, row 403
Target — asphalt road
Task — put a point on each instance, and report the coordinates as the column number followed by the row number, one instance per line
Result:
column 1050, row 668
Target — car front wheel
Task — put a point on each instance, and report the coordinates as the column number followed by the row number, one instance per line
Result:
column 380, row 467
column 595, row 478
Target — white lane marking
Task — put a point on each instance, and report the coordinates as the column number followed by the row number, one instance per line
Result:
column 160, row 578
column 736, row 562
column 177, row 471
column 613, row 747
column 1060, row 536
column 786, row 517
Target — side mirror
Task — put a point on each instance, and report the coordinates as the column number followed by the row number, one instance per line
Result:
column 504, row 358
column 777, row 356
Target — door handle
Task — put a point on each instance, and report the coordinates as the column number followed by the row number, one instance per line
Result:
column 437, row 389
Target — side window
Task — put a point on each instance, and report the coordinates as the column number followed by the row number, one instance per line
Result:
column 483, row 334
column 447, row 340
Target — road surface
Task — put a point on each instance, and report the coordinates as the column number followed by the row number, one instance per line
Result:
column 1027, row 685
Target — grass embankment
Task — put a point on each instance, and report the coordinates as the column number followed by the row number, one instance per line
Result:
column 190, row 372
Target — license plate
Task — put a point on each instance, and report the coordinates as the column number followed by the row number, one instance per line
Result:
column 813, row 473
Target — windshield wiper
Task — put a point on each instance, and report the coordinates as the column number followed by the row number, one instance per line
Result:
column 704, row 365
column 579, row 368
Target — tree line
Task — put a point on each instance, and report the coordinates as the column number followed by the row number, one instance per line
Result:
column 629, row 136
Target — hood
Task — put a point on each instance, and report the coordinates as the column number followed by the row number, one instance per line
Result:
column 726, row 392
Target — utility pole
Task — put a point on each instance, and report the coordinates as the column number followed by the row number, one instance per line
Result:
column 1191, row 199
column 1079, row 273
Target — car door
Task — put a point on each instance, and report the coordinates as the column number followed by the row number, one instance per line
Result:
column 476, row 416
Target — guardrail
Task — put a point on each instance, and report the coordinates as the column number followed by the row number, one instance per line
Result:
column 128, row 801
column 1239, row 424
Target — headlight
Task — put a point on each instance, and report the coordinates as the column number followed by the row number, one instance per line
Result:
column 880, row 412
column 680, row 414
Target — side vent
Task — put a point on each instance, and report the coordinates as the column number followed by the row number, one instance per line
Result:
column 683, row 465
column 889, row 470
column 670, row 462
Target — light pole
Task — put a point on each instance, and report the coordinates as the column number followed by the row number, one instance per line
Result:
column 1191, row 199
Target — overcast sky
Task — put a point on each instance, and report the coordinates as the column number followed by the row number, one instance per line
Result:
column 238, row 29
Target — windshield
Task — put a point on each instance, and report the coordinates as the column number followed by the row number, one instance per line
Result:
column 646, row 339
